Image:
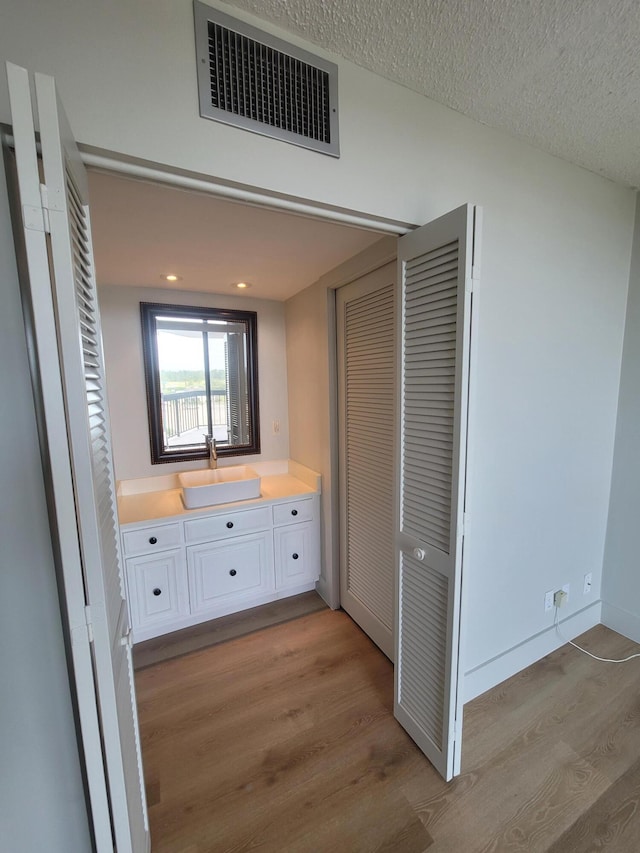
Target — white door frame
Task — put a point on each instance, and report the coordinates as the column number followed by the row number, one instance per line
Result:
column 374, row 257
column 364, row 262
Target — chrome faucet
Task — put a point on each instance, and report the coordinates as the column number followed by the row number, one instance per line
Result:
column 213, row 453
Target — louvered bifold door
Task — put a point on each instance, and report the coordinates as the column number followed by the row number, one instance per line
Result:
column 435, row 277
column 86, row 446
column 365, row 311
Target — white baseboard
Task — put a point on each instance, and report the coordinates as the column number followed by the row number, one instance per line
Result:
column 503, row 666
column 625, row 623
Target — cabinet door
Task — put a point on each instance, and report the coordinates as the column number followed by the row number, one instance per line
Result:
column 225, row 575
column 297, row 554
column 158, row 589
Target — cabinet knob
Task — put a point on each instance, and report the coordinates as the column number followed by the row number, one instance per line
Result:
column 294, row 512
column 153, row 540
column 157, row 591
column 229, row 524
column 295, row 556
column 233, row 573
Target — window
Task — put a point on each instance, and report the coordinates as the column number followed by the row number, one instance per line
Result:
column 201, row 375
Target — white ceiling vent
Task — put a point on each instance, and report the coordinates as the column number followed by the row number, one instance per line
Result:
column 253, row 80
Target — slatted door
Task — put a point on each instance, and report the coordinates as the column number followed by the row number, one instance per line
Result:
column 435, row 265
column 64, row 297
column 367, row 375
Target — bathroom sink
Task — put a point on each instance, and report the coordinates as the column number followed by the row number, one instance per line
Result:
column 209, row 487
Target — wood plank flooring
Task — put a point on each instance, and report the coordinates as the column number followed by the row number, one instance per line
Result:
column 225, row 628
column 284, row 740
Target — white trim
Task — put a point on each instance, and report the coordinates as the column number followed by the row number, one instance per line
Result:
column 142, row 170
column 529, row 651
column 625, row 623
column 246, row 194
column 322, row 588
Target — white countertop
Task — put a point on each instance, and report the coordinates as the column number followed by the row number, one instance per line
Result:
column 136, row 507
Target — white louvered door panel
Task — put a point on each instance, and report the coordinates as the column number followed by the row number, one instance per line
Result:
column 435, row 273
column 80, row 346
column 367, row 375
column 63, row 292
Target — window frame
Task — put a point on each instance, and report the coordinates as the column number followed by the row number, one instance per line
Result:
column 148, row 313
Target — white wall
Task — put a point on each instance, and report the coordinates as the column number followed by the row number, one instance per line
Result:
column 120, row 314
column 556, row 247
column 308, row 383
column 42, row 804
column 621, row 585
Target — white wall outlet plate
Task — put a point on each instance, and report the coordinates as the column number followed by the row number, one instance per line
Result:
column 566, row 588
column 548, row 600
column 586, row 589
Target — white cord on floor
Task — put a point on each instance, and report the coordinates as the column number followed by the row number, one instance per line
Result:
column 580, row 649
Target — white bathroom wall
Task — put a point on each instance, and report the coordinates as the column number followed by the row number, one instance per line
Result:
column 555, row 273
column 621, row 585
column 120, row 314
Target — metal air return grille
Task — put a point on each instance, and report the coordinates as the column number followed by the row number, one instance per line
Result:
column 255, row 81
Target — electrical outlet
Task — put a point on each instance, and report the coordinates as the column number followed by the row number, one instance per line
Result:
column 586, row 589
column 548, row 600
column 560, row 598
column 276, row 427
column 565, row 589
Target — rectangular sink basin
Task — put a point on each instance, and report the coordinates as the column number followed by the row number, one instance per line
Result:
column 209, row 487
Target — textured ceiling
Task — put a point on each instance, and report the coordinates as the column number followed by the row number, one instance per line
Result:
column 142, row 231
column 562, row 74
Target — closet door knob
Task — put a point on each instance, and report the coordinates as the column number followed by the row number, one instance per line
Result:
column 229, row 524
column 294, row 512
column 157, row 591
column 153, row 540
column 295, row 556
column 233, row 573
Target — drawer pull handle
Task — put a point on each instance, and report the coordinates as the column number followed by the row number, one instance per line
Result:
column 229, row 524
column 233, row 573
column 157, row 591
column 153, row 540
column 294, row 512
column 295, row 556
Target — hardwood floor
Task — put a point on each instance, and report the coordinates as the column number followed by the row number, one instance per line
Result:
column 284, row 740
column 225, row 628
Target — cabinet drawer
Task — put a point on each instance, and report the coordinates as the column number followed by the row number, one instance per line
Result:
column 297, row 554
column 227, row 524
column 146, row 540
column 293, row 512
column 157, row 586
column 220, row 572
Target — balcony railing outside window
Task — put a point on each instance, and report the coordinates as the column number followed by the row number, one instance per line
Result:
column 186, row 411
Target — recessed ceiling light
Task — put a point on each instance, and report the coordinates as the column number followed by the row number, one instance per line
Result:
column 242, row 285
column 171, row 277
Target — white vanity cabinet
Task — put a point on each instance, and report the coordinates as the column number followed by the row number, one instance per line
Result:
column 229, row 572
column 156, row 576
column 158, row 592
column 219, row 561
column 296, row 539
